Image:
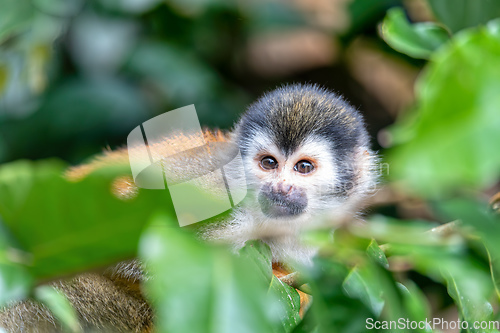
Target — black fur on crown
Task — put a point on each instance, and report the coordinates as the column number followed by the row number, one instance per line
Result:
column 292, row 113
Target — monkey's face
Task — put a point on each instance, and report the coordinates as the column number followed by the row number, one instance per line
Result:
column 290, row 185
column 304, row 152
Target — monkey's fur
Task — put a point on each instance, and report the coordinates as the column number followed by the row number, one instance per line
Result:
column 290, row 125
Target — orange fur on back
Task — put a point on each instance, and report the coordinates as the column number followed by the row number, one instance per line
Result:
column 124, row 187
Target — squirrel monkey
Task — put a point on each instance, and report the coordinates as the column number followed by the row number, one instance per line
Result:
column 306, row 154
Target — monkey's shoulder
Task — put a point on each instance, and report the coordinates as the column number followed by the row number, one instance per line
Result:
column 173, row 145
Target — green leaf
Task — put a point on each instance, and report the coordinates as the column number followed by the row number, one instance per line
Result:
column 417, row 40
column 469, row 298
column 59, row 305
column 460, row 14
column 362, row 285
column 361, row 282
column 198, row 288
column 475, row 216
column 332, row 309
column 446, row 143
column 289, row 301
column 495, row 272
column 15, row 280
column 260, row 253
column 287, row 297
column 376, row 254
column 69, row 227
column 468, row 282
column 415, row 303
column 446, row 262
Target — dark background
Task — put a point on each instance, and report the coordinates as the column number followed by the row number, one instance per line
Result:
column 76, row 77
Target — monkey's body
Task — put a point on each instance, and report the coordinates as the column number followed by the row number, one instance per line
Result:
column 306, row 155
column 108, row 302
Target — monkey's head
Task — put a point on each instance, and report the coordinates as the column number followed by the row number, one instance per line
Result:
column 305, row 150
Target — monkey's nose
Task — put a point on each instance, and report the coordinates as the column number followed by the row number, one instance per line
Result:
column 284, row 189
column 282, row 200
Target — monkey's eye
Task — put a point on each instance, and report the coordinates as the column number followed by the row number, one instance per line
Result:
column 268, row 163
column 303, row 167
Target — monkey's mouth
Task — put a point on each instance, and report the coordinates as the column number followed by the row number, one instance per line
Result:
column 273, row 207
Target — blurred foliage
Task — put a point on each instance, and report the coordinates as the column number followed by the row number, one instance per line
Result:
column 457, row 15
column 227, row 294
column 78, row 75
column 418, row 40
column 108, row 228
column 447, row 142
